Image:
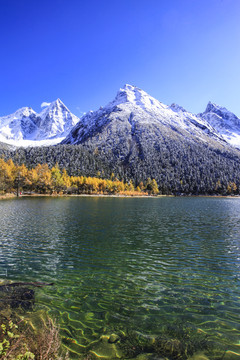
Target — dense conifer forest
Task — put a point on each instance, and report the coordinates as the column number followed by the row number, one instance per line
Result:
column 186, row 168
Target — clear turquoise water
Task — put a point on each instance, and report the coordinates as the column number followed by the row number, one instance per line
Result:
column 128, row 263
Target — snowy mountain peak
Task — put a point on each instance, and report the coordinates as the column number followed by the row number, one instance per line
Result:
column 133, row 95
column 54, row 106
column 224, row 121
column 57, row 103
column 24, row 111
column 212, row 107
column 56, row 121
column 125, row 94
column 50, row 126
column 221, row 111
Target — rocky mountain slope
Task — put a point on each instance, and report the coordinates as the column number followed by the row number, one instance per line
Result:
column 25, row 127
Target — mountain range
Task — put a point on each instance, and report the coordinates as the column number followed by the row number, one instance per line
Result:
column 131, row 115
column 136, row 137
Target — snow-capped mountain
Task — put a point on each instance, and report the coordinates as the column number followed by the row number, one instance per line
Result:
column 56, row 121
column 225, row 122
column 26, row 127
column 133, row 119
column 132, row 122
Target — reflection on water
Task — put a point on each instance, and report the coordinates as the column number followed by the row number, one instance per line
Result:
column 128, row 263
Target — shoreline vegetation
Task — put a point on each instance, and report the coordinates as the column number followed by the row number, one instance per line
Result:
column 55, row 195
column 25, row 332
column 53, row 181
column 9, row 196
column 41, row 180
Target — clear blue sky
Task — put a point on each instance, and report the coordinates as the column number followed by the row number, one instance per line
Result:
column 182, row 51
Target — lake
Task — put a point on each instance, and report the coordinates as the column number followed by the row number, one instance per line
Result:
column 134, row 268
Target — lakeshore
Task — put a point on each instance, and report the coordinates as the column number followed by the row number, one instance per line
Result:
column 143, row 196
column 12, row 196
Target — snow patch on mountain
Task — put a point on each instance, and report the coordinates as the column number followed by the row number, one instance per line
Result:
column 30, row 143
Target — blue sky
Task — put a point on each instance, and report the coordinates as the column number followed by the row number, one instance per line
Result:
column 182, row 51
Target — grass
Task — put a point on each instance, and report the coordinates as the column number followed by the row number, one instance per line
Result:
column 20, row 341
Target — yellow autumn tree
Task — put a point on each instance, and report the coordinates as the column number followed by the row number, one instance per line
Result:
column 7, row 175
column 43, row 183
column 56, row 179
column 66, row 179
column 152, row 187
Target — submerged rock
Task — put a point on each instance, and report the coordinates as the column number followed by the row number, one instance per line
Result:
column 19, row 294
column 17, row 297
column 22, row 297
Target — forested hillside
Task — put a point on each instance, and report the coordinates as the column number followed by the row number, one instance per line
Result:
column 191, row 168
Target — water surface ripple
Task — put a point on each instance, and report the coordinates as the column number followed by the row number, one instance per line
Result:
column 131, row 263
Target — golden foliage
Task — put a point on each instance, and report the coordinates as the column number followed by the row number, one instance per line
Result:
column 42, row 179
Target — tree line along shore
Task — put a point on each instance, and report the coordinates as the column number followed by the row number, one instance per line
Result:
column 42, row 179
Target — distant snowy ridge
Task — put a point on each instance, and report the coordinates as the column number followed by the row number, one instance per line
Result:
column 27, row 128
column 225, row 122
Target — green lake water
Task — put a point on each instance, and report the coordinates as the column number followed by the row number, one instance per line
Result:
column 128, row 265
